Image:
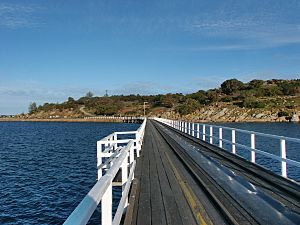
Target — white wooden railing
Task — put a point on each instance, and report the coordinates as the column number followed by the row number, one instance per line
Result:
column 198, row 130
column 114, row 117
column 114, row 153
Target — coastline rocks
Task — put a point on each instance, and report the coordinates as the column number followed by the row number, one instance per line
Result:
column 295, row 118
column 281, row 119
column 232, row 114
column 260, row 115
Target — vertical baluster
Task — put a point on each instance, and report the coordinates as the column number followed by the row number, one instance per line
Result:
column 203, row 132
column 220, row 137
column 233, row 141
column 198, row 130
column 124, row 176
column 131, row 153
column 106, row 206
column 253, row 147
column 193, row 129
column 283, row 158
column 99, row 159
column 138, row 138
column 211, row 134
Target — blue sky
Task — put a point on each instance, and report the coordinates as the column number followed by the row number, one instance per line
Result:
column 50, row 50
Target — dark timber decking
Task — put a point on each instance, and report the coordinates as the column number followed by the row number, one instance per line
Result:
column 160, row 190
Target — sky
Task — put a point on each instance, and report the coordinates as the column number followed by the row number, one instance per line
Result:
column 50, row 50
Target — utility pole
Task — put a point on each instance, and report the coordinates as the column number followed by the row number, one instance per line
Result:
column 145, row 108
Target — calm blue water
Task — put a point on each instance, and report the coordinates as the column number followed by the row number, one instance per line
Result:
column 46, row 169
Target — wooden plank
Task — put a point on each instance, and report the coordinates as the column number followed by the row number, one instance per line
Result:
column 144, row 207
column 157, row 204
column 184, row 208
column 171, row 208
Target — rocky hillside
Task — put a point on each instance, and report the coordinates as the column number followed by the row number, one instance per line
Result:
column 257, row 100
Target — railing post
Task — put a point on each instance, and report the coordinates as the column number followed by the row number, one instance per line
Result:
column 99, row 159
column 138, row 143
column 198, row 130
column 189, row 128
column 233, row 141
column 106, row 206
column 131, row 153
column 220, row 137
column 185, row 130
column 193, row 129
column 211, row 134
column 124, row 176
column 203, row 132
column 114, row 138
column 253, row 147
column 283, row 157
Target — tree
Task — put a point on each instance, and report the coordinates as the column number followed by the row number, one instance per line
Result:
column 188, row 107
column 167, row 100
column 32, row 107
column 232, row 85
column 89, row 94
column 252, row 102
column 256, row 84
column 200, row 96
column 289, row 88
column 70, row 99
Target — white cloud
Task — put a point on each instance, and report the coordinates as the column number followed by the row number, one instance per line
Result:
column 248, row 25
column 18, row 15
column 143, row 88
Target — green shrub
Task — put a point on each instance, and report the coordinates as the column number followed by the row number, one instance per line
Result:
column 188, row 107
column 256, row 84
column 232, row 85
column 227, row 99
column 283, row 113
column 253, row 103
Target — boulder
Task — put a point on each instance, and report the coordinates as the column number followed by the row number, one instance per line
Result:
column 260, row 115
column 295, row 118
column 281, row 119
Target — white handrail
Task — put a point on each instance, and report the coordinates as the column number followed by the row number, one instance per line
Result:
column 117, row 157
column 181, row 126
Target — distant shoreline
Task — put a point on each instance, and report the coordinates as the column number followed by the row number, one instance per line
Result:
column 60, row 120
column 120, row 121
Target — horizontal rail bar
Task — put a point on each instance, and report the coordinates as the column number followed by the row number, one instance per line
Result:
column 122, row 141
column 86, row 208
column 110, row 159
column 126, row 132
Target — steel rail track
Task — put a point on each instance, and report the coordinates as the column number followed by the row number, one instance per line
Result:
column 230, row 208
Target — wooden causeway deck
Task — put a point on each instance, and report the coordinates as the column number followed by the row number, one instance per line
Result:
column 158, row 196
